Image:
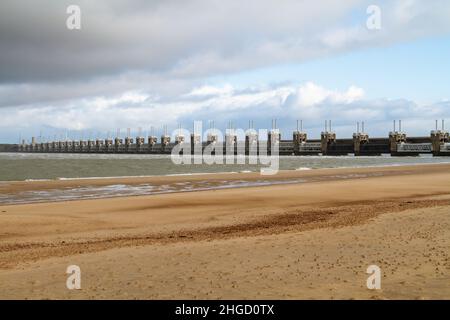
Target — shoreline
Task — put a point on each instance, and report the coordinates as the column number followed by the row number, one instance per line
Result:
column 189, row 183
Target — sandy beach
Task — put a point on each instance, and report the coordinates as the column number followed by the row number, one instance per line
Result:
column 311, row 240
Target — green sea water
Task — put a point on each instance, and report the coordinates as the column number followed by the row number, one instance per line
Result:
column 29, row 166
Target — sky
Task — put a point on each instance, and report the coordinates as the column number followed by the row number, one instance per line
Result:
column 140, row 64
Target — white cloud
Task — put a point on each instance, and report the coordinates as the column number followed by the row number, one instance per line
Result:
column 130, row 97
column 309, row 101
column 406, row 10
column 211, row 91
column 311, row 94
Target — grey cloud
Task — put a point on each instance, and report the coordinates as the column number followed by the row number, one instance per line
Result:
column 191, row 38
column 152, row 36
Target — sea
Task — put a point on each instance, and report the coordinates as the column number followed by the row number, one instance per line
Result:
column 42, row 166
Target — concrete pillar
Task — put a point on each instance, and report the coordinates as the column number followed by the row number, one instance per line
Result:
column 33, row 144
column 251, row 142
column 165, row 141
column 326, row 139
column 359, row 139
column 109, row 145
column 438, row 138
column 273, row 140
column 211, row 138
column 298, row 139
column 76, row 146
column 91, row 145
column 230, row 143
column 118, row 144
column 179, row 138
column 83, row 146
column 128, row 143
column 152, row 140
column 99, row 143
column 196, row 144
column 396, row 137
column 140, row 141
column 231, row 138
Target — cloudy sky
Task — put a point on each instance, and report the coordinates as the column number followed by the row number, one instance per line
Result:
column 136, row 64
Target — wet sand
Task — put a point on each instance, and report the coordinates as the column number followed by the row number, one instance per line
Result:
column 306, row 240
